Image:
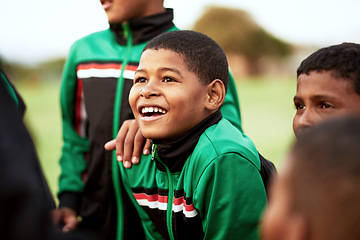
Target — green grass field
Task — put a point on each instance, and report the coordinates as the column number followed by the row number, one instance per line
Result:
column 266, row 108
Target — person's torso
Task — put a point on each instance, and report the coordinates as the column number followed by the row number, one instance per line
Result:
column 164, row 198
column 105, row 68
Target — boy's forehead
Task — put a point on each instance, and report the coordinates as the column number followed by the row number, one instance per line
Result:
column 162, row 58
column 160, row 52
column 324, row 81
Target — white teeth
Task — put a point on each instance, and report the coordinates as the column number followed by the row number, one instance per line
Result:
column 152, row 110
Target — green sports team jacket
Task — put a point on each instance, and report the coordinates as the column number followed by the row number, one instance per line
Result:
column 206, row 185
column 96, row 81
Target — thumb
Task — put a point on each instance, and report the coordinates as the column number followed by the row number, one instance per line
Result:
column 110, row 145
column 70, row 225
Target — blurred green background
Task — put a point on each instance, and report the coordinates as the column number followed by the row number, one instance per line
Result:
column 265, row 102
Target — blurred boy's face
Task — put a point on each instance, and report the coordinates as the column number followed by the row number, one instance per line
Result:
column 278, row 220
column 118, row 11
column 319, row 96
column 167, row 99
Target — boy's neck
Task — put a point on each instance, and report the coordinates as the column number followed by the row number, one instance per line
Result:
column 174, row 154
column 145, row 28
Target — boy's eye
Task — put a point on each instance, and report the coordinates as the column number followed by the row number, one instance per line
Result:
column 139, row 80
column 168, row 79
column 326, row 105
column 299, row 106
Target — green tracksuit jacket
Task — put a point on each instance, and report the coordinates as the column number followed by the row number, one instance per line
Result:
column 206, row 185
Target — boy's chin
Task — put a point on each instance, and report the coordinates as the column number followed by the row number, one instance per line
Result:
column 157, row 136
column 152, row 135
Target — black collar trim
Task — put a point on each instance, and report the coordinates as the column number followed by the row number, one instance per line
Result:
column 175, row 154
column 146, row 28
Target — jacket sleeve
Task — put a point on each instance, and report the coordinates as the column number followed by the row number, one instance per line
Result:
column 72, row 161
column 230, row 197
column 231, row 108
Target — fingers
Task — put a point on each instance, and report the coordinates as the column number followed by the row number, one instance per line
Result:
column 69, row 217
column 71, row 223
column 129, row 144
column 138, row 147
column 120, row 138
column 146, row 150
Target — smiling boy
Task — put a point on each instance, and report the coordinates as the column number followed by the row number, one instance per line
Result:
column 202, row 179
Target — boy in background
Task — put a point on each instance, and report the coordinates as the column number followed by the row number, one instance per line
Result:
column 316, row 195
column 328, row 86
column 202, row 179
column 96, row 81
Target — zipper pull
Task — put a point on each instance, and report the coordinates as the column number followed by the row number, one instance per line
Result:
column 126, row 29
column 153, row 150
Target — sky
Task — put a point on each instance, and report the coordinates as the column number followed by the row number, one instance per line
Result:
column 33, row 31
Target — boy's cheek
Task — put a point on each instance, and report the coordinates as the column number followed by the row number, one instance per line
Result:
column 133, row 95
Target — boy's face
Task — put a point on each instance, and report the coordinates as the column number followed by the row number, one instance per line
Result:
column 167, row 99
column 124, row 10
column 319, row 96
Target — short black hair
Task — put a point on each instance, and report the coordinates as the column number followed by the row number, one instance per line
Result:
column 343, row 60
column 201, row 54
column 325, row 167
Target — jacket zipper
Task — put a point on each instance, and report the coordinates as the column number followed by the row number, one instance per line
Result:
column 170, row 194
column 116, row 126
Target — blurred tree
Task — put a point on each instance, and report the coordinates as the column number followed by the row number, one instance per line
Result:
column 49, row 70
column 237, row 33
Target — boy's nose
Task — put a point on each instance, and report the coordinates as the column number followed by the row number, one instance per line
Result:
column 150, row 90
column 306, row 120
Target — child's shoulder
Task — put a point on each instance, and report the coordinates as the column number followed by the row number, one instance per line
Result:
column 223, row 138
column 94, row 37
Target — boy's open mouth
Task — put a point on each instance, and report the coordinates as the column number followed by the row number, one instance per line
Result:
column 152, row 111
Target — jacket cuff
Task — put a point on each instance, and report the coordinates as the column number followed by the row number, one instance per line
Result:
column 70, row 199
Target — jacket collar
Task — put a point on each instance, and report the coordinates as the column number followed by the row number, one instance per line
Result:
column 144, row 29
column 174, row 154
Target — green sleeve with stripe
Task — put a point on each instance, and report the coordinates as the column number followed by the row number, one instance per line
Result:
column 75, row 147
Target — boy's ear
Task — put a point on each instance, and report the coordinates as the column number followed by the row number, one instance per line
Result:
column 215, row 95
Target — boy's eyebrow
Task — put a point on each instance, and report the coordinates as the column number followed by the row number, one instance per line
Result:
column 139, row 70
column 164, row 69
column 316, row 97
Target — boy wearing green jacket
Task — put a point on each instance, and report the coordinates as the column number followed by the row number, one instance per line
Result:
column 202, row 179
